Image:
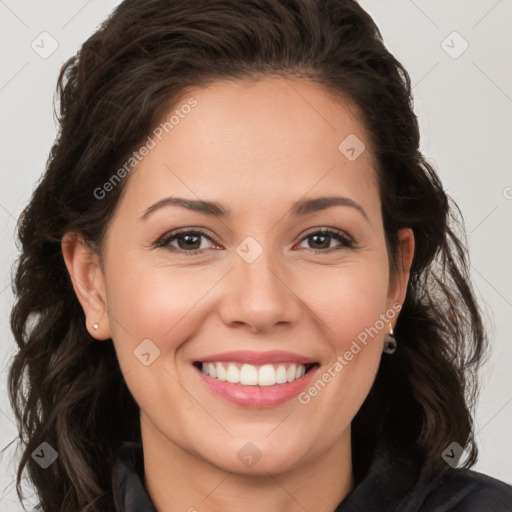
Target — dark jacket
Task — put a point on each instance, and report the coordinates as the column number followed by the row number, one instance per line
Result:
column 395, row 482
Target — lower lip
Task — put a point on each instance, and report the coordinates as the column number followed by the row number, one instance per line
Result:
column 257, row 396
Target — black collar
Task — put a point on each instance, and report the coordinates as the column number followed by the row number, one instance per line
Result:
column 396, row 481
column 128, row 489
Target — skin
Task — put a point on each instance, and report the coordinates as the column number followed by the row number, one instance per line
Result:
column 256, row 148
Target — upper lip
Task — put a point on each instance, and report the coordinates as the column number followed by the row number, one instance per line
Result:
column 250, row 357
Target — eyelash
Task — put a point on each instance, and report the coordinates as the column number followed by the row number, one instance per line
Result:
column 164, row 241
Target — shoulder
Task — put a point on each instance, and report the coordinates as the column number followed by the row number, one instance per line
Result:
column 463, row 490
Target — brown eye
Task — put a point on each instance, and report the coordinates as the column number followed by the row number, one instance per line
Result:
column 320, row 241
column 187, row 242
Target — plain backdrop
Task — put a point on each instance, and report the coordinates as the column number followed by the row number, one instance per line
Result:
column 458, row 54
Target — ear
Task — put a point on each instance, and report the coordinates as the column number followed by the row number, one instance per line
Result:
column 85, row 271
column 399, row 278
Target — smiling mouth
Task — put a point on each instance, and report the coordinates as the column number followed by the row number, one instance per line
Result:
column 255, row 375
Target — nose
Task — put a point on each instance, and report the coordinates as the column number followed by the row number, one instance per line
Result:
column 259, row 296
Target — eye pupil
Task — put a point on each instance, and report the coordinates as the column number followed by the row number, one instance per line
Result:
column 189, row 243
column 322, row 246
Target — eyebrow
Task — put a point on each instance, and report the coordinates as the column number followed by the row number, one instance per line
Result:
column 215, row 209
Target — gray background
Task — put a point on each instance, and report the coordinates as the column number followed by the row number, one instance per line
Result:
column 464, row 103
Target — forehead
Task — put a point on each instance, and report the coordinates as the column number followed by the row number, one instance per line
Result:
column 268, row 140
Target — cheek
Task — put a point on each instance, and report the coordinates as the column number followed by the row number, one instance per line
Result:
column 155, row 303
column 348, row 300
column 350, row 303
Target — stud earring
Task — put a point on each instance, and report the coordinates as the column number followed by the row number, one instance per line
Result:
column 389, row 342
column 95, row 327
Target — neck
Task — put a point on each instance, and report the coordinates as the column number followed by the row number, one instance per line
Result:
column 179, row 480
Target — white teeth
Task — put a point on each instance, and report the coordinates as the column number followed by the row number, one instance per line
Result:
column 291, row 373
column 250, row 375
column 281, row 376
column 233, row 374
column 266, row 375
column 221, row 372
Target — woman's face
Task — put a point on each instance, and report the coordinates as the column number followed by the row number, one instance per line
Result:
column 266, row 282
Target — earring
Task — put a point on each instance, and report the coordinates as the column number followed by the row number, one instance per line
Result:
column 389, row 342
column 95, row 327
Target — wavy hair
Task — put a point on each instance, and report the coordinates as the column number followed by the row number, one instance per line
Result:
column 68, row 390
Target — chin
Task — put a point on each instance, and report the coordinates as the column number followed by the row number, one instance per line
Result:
column 257, row 457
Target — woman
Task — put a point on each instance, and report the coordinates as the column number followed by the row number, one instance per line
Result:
column 240, row 285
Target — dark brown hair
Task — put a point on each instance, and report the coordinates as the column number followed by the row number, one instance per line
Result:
column 66, row 389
